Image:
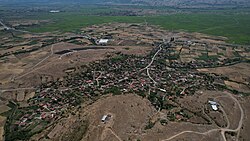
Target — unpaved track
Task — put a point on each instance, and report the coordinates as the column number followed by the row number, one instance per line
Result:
column 97, row 79
column 17, row 89
column 183, row 132
column 152, row 60
column 32, row 68
column 148, row 66
column 109, row 129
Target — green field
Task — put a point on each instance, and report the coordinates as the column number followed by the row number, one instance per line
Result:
column 236, row 27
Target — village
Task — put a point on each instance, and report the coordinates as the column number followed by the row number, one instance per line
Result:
column 116, row 75
column 165, row 75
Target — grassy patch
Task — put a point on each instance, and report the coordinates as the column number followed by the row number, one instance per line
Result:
column 233, row 26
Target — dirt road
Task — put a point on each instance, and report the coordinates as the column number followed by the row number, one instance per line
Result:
column 32, row 69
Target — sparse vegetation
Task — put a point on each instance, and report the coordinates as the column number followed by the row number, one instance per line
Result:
column 163, row 122
column 77, row 132
column 149, row 125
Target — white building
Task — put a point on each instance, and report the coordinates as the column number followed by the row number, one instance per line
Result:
column 162, row 90
column 103, row 41
column 54, row 11
column 105, row 118
column 214, row 105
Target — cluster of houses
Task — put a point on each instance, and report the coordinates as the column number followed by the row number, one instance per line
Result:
column 119, row 74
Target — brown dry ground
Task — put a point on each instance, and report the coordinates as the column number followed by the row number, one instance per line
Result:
column 232, row 110
column 198, row 103
column 54, row 64
column 237, row 86
column 130, row 114
column 4, row 108
column 195, row 137
column 128, row 120
column 238, row 73
column 50, row 69
column 245, row 130
column 53, row 67
column 2, row 122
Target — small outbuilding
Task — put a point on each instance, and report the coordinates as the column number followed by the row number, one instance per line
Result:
column 214, row 105
column 54, row 11
column 103, row 41
column 105, row 118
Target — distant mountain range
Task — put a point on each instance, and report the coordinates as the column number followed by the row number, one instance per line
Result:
column 195, row 2
column 172, row 3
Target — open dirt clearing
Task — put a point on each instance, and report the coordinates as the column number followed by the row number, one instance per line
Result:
column 129, row 113
column 238, row 72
